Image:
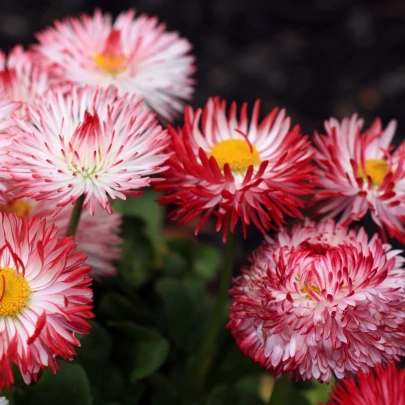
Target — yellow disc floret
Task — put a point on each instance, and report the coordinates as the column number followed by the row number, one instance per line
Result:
column 238, row 153
column 19, row 207
column 111, row 64
column 14, row 292
column 377, row 169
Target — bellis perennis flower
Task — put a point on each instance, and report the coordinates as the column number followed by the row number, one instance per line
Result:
column 21, row 79
column 97, row 236
column 136, row 55
column 320, row 299
column 232, row 169
column 90, row 142
column 44, row 297
column 381, row 386
column 359, row 173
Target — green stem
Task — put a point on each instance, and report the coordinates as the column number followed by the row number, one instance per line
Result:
column 203, row 358
column 75, row 217
column 281, row 391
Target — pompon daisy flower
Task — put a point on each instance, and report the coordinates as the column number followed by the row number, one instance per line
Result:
column 381, row 386
column 21, row 79
column 230, row 168
column 45, row 297
column 135, row 54
column 90, row 142
column 320, row 299
column 96, row 236
column 359, row 173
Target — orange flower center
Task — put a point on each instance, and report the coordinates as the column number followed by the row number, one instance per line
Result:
column 112, row 59
column 376, row 169
column 20, row 207
column 238, row 153
column 14, row 292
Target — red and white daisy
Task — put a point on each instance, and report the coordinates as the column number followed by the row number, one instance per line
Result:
column 358, row 173
column 90, row 142
column 45, row 299
column 135, row 54
column 96, row 236
column 320, row 299
column 230, row 168
column 381, row 386
column 21, row 79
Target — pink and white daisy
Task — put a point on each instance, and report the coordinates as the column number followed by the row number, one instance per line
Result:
column 381, row 386
column 320, row 299
column 359, row 173
column 96, row 236
column 135, row 54
column 88, row 142
column 230, row 168
column 21, row 79
column 45, row 299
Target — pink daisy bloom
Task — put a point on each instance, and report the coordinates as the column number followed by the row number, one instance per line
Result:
column 381, row 386
column 358, row 173
column 21, row 79
column 90, row 142
column 96, row 236
column 230, row 168
column 135, row 54
column 320, row 299
column 45, row 299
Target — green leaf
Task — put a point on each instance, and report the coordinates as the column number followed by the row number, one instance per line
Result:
column 207, row 260
column 145, row 349
column 95, row 350
column 68, row 386
column 137, row 258
column 146, row 208
column 184, row 310
column 319, row 392
column 117, row 306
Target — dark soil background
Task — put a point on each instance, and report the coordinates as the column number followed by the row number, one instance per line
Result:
column 317, row 58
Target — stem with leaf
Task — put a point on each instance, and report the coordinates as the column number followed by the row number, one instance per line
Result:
column 203, row 358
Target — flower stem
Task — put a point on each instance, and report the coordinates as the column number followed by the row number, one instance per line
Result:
column 203, row 358
column 75, row 217
column 281, row 391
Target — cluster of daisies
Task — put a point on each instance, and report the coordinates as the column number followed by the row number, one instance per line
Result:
column 85, row 118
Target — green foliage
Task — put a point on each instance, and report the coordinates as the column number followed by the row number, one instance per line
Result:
column 70, row 385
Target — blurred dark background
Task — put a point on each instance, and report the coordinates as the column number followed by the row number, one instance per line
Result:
column 317, row 58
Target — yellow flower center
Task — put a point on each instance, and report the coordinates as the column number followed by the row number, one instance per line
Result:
column 14, row 292
column 111, row 64
column 20, row 207
column 377, row 169
column 112, row 59
column 238, row 153
column 306, row 289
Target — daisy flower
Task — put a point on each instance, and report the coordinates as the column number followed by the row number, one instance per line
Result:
column 320, row 299
column 88, row 142
column 45, row 299
column 230, row 168
column 97, row 236
column 381, row 386
column 135, row 54
column 359, row 173
column 21, row 79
